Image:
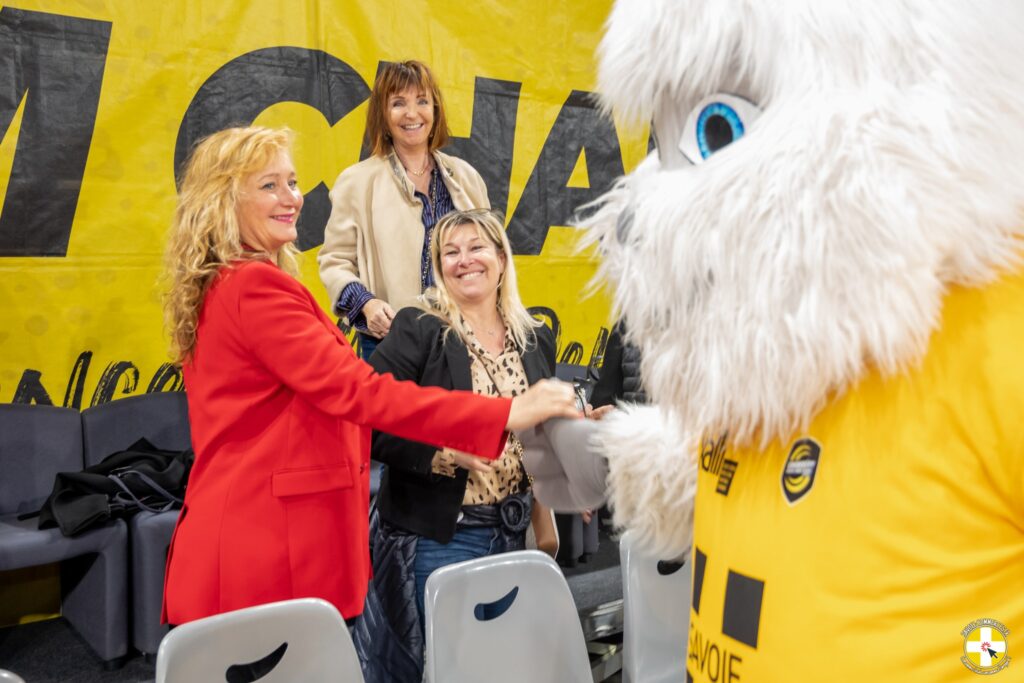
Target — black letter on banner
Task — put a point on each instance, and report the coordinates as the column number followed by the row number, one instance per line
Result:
column 241, row 89
column 168, row 377
column 107, row 386
column 542, row 312
column 76, row 382
column 489, row 146
column 30, row 389
column 59, row 61
column 599, row 349
column 546, row 200
column 572, row 353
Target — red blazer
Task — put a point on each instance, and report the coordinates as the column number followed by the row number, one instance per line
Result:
column 281, row 412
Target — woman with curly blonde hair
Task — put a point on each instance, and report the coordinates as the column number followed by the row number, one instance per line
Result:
column 281, row 410
column 205, row 235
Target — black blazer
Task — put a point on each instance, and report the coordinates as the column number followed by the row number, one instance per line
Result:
column 411, row 496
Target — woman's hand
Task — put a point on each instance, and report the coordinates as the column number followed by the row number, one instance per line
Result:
column 471, row 462
column 378, row 316
column 547, row 398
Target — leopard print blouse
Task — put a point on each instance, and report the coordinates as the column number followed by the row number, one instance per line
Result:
column 507, row 372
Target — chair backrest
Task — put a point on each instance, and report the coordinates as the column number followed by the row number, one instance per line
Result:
column 295, row 641
column 162, row 418
column 503, row 618
column 36, row 442
column 656, row 619
column 568, row 372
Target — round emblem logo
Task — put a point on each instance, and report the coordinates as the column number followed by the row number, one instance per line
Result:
column 985, row 647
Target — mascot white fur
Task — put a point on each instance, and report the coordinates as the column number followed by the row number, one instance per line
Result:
column 820, row 264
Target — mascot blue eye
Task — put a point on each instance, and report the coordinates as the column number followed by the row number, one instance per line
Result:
column 716, row 121
column 717, row 125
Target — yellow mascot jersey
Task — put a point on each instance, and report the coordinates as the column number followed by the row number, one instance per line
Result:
column 886, row 543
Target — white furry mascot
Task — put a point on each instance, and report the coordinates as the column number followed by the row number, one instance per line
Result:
column 820, row 264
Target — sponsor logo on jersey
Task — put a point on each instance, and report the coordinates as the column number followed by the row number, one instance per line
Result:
column 713, row 461
column 985, row 647
column 800, row 470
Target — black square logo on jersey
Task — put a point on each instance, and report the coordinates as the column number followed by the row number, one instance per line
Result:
column 800, row 470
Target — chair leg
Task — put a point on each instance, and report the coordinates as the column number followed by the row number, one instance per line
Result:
column 94, row 591
column 114, row 664
column 570, row 538
column 591, row 540
column 150, row 536
column 148, row 591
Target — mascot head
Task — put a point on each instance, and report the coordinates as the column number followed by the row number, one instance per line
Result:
column 824, row 171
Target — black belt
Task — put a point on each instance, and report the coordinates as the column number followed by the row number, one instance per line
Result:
column 512, row 514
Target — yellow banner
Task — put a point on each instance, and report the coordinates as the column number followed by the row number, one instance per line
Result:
column 99, row 101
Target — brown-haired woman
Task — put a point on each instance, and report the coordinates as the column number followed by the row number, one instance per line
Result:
column 375, row 258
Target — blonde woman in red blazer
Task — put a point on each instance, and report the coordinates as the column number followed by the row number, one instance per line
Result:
column 281, row 409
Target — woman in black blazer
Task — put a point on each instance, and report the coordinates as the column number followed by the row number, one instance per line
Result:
column 437, row 507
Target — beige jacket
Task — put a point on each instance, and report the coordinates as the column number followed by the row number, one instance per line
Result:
column 375, row 232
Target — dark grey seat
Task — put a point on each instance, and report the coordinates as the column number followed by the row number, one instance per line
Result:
column 37, row 442
column 570, row 372
column 150, row 537
column 162, row 418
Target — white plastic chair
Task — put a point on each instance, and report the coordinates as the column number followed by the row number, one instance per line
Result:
column 656, row 616
column 295, row 641
column 503, row 619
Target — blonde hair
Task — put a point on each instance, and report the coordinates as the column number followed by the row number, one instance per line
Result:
column 205, row 235
column 438, row 300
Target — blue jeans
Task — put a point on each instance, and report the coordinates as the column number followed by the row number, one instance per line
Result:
column 468, row 543
column 367, row 345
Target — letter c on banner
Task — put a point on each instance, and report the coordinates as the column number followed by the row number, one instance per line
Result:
column 241, row 89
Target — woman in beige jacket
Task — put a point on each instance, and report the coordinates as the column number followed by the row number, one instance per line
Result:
column 375, row 257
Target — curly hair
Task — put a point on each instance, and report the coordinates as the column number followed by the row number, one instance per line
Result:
column 438, row 301
column 205, row 235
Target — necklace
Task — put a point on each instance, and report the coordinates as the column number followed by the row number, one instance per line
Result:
column 426, row 162
column 491, row 332
column 482, row 337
